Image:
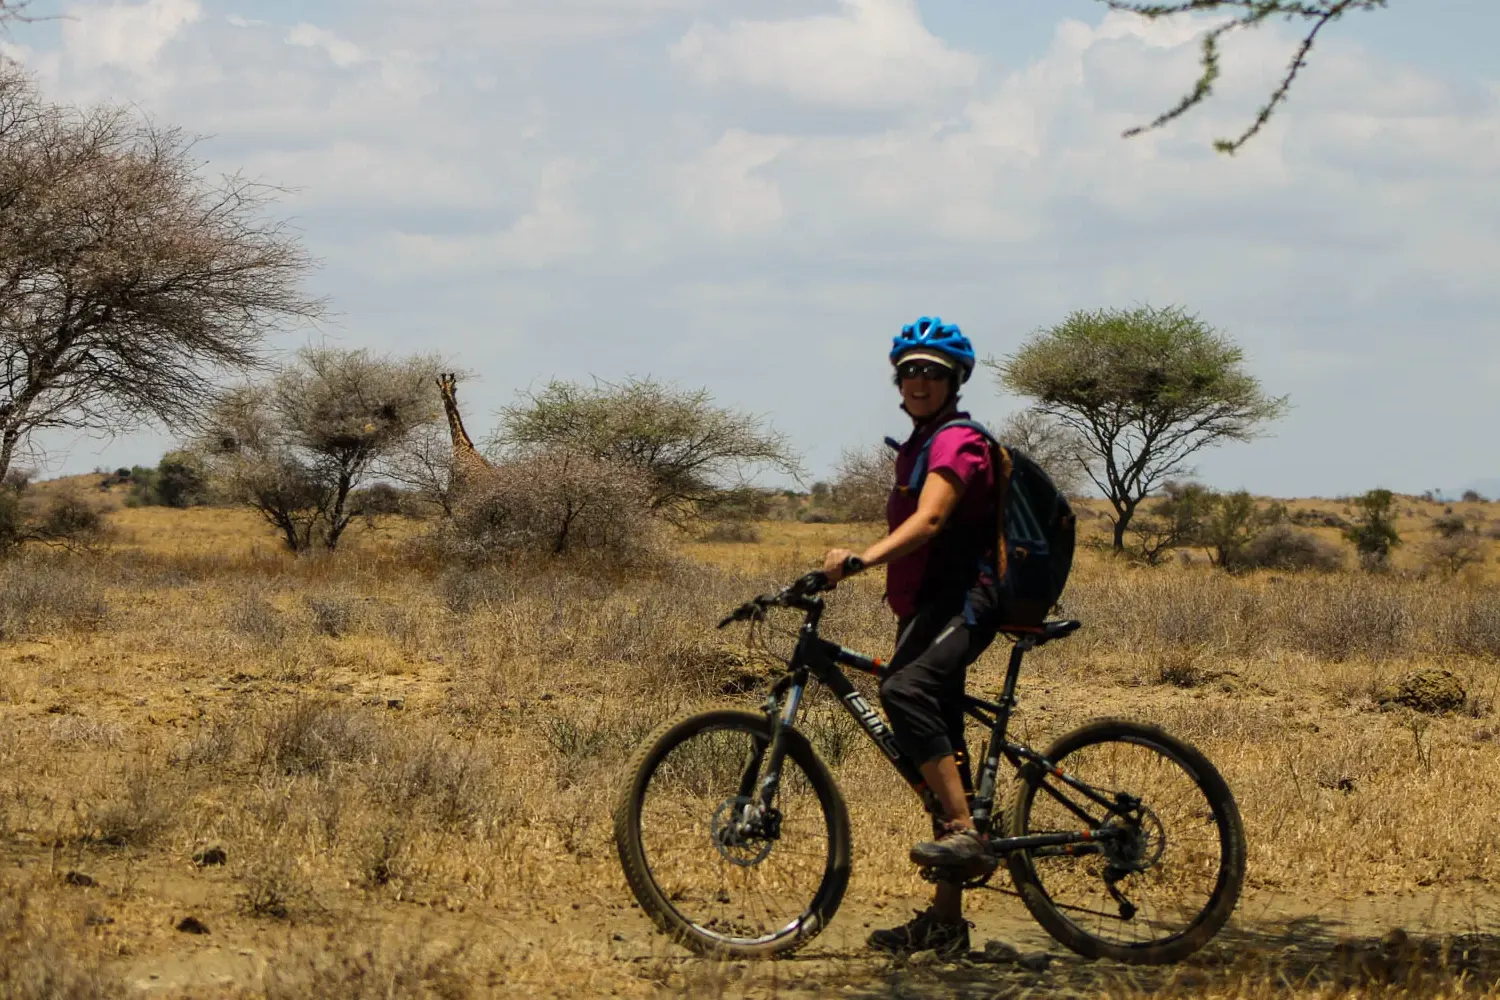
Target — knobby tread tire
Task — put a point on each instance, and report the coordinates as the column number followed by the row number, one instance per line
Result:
column 1232, row 839
column 632, row 853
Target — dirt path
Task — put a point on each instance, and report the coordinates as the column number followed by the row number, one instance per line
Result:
column 604, row 946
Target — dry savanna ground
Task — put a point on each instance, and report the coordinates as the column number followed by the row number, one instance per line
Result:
column 228, row 772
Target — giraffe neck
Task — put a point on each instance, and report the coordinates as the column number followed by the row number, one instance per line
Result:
column 461, row 440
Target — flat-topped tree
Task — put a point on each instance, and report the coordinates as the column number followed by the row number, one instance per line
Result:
column 129, row 286
column 1144, row 389
column 700, row 458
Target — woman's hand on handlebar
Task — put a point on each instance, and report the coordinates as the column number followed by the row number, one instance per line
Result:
column 839, row 563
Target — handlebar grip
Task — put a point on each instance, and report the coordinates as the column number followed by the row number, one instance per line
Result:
column 853, row 564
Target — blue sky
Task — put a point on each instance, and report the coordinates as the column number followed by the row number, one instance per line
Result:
column 753, row 197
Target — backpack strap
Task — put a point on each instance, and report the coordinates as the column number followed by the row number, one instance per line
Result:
column 1004, row 467
column 913, row 485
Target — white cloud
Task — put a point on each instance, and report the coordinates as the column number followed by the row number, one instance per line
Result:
column 341, row 52
column 721, row 188
column 469, row 169
column 875, row 54
column 127, row 36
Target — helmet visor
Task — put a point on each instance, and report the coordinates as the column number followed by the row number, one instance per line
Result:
column 925, row 355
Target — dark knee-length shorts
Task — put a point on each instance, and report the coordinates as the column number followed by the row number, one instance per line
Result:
column 922, row 687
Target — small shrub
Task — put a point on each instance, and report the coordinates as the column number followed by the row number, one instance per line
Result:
column 379, row 499
column 37, row 595
column 272, row 886
column 1283, row 547
column 557, row 503
column 383, row 857
column 255, row 617
column 1317, row 519
column 333, row 616
column 815, row 517
column 451, row 785
column 137, row 817
column 312, row 737
column 1473, row 496
column 213, row 746
column 1179, row 667
column 65, row 521
column 834, row 735
column 1450, row 525
column 1450, row 555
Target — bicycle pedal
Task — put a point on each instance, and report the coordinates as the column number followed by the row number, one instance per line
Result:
column 959, row 873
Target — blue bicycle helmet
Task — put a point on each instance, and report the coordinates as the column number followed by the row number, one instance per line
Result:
column 931, row 334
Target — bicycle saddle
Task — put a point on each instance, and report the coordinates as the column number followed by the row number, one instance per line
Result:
column 1046, row 631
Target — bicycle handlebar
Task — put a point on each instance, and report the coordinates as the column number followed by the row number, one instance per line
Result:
column 807, row 585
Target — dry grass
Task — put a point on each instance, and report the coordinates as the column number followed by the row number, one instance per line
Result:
column 410, row 767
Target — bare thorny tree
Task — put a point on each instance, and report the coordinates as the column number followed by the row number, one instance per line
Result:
column 128, row 286
column 1314, row 16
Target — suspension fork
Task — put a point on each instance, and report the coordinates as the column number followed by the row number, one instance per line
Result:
column 781, row 707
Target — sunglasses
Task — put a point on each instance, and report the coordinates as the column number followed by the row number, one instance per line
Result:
column 929, row 370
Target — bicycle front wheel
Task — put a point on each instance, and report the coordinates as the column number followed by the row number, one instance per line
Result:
column 1167, row 876
column 712, row 870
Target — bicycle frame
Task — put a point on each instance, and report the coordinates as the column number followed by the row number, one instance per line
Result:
column 823, row 660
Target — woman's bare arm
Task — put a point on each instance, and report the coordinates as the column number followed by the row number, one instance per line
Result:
column 941, row 492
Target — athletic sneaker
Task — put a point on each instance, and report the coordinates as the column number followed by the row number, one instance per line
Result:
column 958, row 847
column 923, row 933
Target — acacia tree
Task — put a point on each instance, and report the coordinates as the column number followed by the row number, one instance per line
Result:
column 1315, row 15
column 1145, row 389
column 298, row 448
column 700, row 458
column 128, row 285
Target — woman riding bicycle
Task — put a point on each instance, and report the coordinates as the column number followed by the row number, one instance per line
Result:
column 940, row 583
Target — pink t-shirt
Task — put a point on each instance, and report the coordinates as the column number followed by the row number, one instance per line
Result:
column 964, row 452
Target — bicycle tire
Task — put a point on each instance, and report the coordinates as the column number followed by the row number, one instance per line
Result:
column 649, row 892
column 1054, row 917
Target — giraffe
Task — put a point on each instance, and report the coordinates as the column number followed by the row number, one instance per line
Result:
column 471, row 471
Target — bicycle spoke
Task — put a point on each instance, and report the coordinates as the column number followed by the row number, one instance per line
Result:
column 777, row 878
column 1168, row 894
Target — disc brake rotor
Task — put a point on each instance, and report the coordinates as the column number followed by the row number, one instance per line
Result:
column 1140, row 844
column 741, row 841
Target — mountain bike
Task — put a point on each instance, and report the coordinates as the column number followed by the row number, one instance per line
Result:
column 1122, row 841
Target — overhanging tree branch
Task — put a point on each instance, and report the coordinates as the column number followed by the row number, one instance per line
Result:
column 1249, row 14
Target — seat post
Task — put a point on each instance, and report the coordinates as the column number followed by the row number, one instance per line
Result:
column 1013, row 673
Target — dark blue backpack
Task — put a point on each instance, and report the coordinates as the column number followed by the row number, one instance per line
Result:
column 1035, row 534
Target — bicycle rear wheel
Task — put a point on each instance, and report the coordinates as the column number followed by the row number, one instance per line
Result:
column 710, row 874
column 1166, row 882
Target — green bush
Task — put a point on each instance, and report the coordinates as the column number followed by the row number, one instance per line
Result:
column 1374, row 529
column 1283, row 547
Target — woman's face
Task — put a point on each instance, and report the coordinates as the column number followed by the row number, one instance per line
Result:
column 926, row 395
